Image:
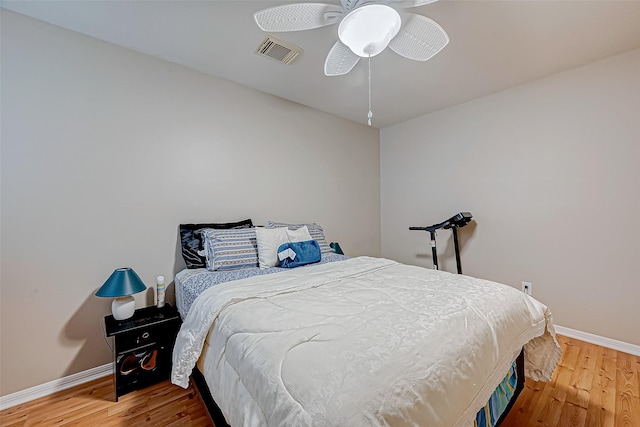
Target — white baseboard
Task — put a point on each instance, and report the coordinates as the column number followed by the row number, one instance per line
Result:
column 622, row 346
column 73, row 380
column 54, row 386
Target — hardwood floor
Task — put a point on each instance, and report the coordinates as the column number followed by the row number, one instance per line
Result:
column 93, row 404
column 592, row 387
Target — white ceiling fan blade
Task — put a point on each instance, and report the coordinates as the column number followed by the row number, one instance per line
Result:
column 340, row 60
column 297, row 17
column 420, row 38
column 412, row 3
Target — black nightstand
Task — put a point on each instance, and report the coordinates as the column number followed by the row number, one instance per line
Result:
column 142, row 347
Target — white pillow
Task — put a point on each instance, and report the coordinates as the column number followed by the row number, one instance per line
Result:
column 299, row 235
column 269, row 240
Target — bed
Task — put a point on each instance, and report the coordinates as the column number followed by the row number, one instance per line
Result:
column 359, row 341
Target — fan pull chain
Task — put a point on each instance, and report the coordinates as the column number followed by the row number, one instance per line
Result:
column 370, row 115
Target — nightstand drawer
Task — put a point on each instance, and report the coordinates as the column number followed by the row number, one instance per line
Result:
column 141, row 337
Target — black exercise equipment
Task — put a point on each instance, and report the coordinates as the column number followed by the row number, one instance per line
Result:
column 459, row 220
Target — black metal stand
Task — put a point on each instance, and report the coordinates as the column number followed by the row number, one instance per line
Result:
column 434, row 252
column 458, row 220
column 454, row 230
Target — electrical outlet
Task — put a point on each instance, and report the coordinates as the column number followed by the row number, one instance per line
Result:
column 527, row 288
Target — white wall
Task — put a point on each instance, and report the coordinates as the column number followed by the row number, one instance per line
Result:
column 551, row 173
column 105, row 151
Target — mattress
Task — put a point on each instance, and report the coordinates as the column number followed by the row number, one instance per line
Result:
column 366, row 341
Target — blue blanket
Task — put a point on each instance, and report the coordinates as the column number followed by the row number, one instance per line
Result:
column 295, row 254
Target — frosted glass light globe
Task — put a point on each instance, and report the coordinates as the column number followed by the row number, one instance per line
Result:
column 368, row 29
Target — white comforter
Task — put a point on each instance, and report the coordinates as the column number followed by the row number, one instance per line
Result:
column 363, row 342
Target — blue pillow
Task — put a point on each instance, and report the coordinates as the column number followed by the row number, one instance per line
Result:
column 295, row 254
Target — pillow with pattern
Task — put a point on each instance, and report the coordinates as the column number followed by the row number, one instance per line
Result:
column 192, row 242
column 231, row 249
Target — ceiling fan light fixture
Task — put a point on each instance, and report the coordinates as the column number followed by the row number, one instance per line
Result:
column 368, row 29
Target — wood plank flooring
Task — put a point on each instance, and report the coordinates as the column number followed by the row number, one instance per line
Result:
column 93, row 404
column 592, row 387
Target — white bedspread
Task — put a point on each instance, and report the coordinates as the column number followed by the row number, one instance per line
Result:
column 363, row 342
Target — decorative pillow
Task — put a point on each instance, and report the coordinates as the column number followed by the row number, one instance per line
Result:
column 231, row 249
column 295, row 254
column 300, row 235
column 316, row 232
column 269, row 239
column 192, row 241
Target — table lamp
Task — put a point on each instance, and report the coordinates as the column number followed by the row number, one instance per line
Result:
column 121, row 285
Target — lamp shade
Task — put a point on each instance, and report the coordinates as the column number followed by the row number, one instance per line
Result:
column 122, row 282
column 368, row 29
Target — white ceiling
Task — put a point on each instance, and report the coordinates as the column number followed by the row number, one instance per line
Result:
column 494, row 45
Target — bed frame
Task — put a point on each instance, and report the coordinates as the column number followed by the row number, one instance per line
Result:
column 205, row 394
column 517, row 391
column 219, row 421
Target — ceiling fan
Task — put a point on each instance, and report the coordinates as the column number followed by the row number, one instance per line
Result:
column 366, row 28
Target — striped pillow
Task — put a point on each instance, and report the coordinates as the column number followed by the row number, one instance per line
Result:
column 316, row 231
column 230, row 249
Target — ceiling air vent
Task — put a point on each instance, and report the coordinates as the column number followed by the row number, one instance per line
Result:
column 277, row 49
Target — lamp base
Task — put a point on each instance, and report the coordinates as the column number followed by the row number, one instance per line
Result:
column 123, row 307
